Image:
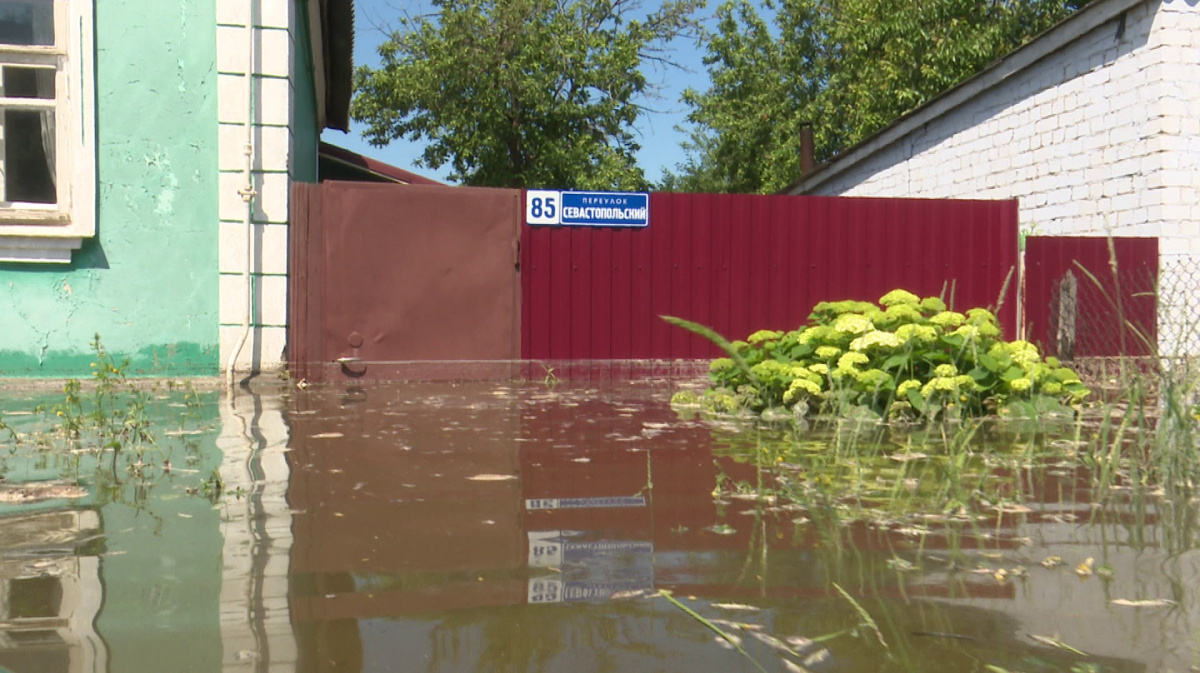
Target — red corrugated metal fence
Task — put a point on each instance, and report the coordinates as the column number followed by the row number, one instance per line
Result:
column 740, row 263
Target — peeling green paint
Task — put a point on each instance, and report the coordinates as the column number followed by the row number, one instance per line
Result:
column 181, row 359
column 147, row 283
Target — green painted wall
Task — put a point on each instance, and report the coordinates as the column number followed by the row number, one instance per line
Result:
column 304, row 111
column 148, row 282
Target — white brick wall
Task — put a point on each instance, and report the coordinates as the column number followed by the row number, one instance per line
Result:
column 1100, row 137
column 273, row 96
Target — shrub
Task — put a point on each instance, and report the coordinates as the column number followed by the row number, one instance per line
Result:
column 906, row 357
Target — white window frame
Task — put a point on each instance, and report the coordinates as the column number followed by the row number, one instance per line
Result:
column 50, row 232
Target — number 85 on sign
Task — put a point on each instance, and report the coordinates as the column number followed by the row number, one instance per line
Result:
column 542, row 207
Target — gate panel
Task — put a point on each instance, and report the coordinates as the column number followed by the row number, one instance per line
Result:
column 740, row 263
column 1108, row 313
column 394, row 274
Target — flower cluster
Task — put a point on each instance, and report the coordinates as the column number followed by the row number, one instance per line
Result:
column 905, row 356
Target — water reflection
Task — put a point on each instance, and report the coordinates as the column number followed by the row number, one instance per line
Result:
column 484, row 527
column 50, row 592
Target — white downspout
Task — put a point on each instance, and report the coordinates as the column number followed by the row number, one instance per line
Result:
column 247, row 193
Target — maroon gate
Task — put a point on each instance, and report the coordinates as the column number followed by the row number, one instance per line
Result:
column 742, row 263
column 387, row 279
column 1078, row 304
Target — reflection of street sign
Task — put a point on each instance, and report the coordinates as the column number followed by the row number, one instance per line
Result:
column 586, row 503
column 587, row 569
column 587, row 209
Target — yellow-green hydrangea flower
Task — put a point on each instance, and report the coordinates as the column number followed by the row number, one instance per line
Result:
column 987, row 329
column 820, row 368
column 965, row 382
column 905, row 386
column 828, row 352
column 876, row 339
column 933, row 304
column 1052, row 388
column 852, row 323
column 873, row 379
column 968, row 332
column 801, row 387
column 817, row 334
column 1020, row 385
column 896, row 297
column 909, row 333
column 721, row 364
column 764, row 335
column 1023, row 353
column 945, row 370
column 898, row 314
column 720, row 402
column 800, row 371
column 948, row 319
column 978, row 316
column 848, row 361
column 944, row 384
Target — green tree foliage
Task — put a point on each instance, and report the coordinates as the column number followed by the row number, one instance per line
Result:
column 521, row 93
column 849, row 67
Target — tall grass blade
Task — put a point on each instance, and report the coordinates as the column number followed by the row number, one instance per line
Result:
column 716, row 629
column 720, row 341
column 865, row 617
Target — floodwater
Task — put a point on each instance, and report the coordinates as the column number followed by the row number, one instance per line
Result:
column 521, row 527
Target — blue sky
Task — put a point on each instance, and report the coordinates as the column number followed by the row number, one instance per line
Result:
column 656, row 130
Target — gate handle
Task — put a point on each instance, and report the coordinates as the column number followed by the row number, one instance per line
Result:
column 348, row 360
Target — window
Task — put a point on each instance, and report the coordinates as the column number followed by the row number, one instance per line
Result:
column 47, row 156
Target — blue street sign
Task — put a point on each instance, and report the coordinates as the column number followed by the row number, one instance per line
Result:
column 587, row 209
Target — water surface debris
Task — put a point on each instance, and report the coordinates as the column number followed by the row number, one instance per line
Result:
column 1142, row 603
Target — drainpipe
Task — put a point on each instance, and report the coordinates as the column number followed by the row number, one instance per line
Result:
column 247, row 193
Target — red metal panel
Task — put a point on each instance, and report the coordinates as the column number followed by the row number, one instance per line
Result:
column 641, row 310
column 760, row 248
column 622, row 294
column 660, row 274
column 779, row 275
column 741, row 263
column 681, row 279
column 1115, row 311
column 722, row 252
column 700, row 270
column 602, row 286
column 560, row 297
column 740, row 267
column 581, row 290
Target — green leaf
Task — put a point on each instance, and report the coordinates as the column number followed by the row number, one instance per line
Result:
column 1012, row 374
column 915, row 399
column 990, row 363
column 900, row 360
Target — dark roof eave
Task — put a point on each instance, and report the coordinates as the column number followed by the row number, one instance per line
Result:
column 374, row 166
column 338, row 34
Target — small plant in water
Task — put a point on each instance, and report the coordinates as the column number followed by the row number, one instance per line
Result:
column 905, row 358
column 111, row 414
